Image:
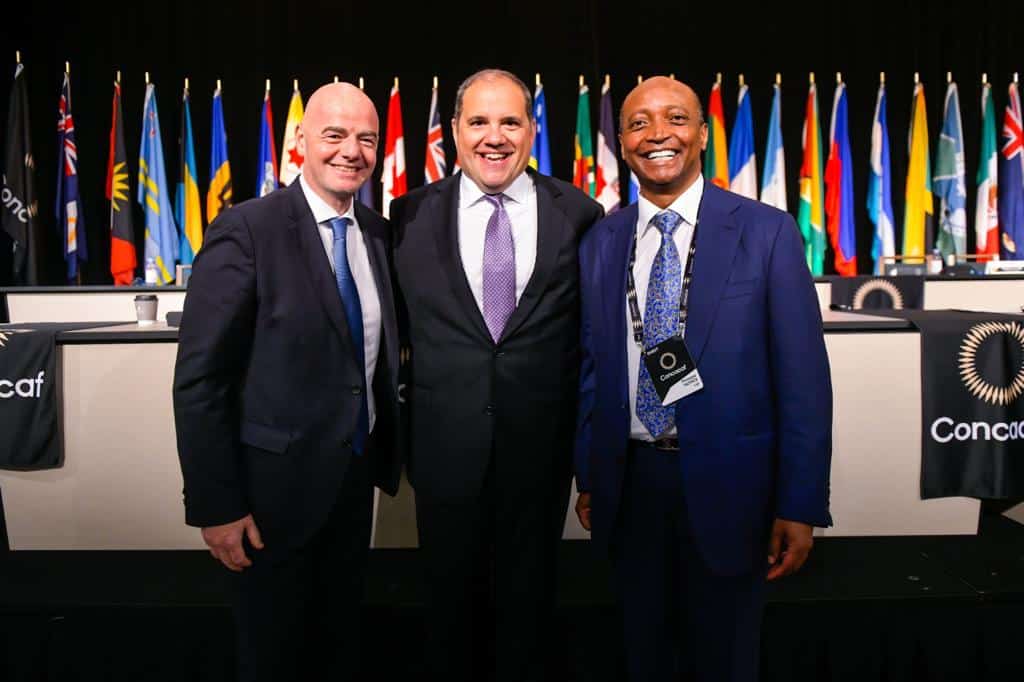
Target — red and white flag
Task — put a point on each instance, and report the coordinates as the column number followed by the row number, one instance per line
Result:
column 434, row 166
column 393, row 177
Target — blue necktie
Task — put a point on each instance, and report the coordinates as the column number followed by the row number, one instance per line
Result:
column 661, row 321
column 354, row 316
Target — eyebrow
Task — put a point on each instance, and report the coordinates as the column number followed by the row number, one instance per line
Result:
column 340, row 129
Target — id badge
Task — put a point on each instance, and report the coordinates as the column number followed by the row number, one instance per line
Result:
column 672, row 370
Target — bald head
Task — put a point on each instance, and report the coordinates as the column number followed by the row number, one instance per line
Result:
column 337, row 141
column 671, row 85
column 335, row 97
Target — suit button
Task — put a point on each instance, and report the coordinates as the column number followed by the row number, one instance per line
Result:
column 347, row 444
column 489, row 410
column 499, row 353
column 356, row 390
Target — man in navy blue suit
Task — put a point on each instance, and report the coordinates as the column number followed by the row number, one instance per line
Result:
column 704, row 438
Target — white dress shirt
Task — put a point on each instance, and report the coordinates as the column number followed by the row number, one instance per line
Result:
column 474, row 211
column 362, row 273
column 648, row 241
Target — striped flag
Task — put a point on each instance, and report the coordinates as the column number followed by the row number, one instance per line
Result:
column 434, row 167
column 393, row 177
column 69, row 208
column 218, row 196
column 917, row 215
column 540, row 154
column 743, row 161
column 291, row 159
column 986, row 214
column 811, row 214
column 583, row 157
column 122, row 232
column 634, row 188
column 773, row 179
column 607, row 177
column 950, row 178
column 880, row 186
column 716, row 158
column 186, row 206
column 1011, row 180
column 266, row 171
column 161, row 233
column 839, row 188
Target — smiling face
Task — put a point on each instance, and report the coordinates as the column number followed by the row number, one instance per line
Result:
column 493, row 133
column 662, row 136
column 338, row 138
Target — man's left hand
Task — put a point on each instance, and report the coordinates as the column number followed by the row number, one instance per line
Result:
column 790, row 544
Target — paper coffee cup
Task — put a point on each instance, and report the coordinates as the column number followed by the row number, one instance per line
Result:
column 145, row 308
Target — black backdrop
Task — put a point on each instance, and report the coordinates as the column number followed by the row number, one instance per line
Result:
column 243, row 42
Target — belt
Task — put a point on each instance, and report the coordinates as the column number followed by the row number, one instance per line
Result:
column 663, row 444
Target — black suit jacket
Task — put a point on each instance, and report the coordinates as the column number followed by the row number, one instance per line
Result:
column 471, row 399
column 267, row 388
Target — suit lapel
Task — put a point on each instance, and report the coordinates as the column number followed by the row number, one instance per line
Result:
column 552, row 225
column 717, row 239
column 615, row 261
column 444, row 221
column 374, row 238
column 318, row 268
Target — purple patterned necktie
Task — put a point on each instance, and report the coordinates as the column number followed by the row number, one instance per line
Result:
column 499, row 268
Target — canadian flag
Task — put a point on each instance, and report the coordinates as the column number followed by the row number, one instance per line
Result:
column 393, row 177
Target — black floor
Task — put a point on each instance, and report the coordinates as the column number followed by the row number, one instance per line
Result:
column 886, row 609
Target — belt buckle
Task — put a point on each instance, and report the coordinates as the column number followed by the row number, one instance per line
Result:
column 666, row 444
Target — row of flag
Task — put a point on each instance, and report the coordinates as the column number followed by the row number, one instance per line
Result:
column 826, row 204
column 825, row 211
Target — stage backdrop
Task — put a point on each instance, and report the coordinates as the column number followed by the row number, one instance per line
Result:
column 243, row 43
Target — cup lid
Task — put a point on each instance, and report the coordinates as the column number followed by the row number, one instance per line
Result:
column 145, row 297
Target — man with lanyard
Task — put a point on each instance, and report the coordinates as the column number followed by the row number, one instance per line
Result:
column 704, row 438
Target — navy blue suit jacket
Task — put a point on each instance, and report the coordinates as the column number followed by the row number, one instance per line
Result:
column 755, row 442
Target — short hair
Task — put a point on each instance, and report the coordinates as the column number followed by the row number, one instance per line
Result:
column 491, row 75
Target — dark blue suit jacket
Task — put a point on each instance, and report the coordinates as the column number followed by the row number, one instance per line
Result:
column 755, row 442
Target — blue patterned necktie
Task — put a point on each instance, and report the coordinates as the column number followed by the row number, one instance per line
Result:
column 499, row 275
column 661, row 321
column 354, row 317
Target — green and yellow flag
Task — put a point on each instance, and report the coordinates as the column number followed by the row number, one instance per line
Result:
column 811, row 214
column 716, row 158
column 583, row 164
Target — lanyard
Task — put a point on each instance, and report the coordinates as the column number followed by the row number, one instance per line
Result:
column 684, row 297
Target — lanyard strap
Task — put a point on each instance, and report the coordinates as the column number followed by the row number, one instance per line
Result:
column 684, row 297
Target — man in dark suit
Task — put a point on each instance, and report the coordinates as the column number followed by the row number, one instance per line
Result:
column 486, row 262
column 285, row 398
column 698, row 484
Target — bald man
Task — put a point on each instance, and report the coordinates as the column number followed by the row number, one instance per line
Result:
column 285, row 398
column 704, row 437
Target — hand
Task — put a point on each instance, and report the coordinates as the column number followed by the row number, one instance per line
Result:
column 797, row 538
column 583, row 510
column 225, row 542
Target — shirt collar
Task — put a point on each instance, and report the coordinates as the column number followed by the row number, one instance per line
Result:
column 470, row 193
column 686, row 204
column 322, row 212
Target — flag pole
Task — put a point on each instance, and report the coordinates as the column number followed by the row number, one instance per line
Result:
column 295, row 84
column 812, row 78
column 984, row 79
column 839, row 77
column 778, row 78
column 537, row 80
column 881, row 77
column 118, row 81
column 17, row 56
column 67, row 68
column 186, row 84
column 268, row 85
column 718, row 78
column 361, row 83
column 147, row 78
column 639, row 79
column 949, row 77
column 607, row 81
column 218, row 85
column 741, row 80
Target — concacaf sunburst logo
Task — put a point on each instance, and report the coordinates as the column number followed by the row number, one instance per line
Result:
column 873, row 285
column 981, row 389
column 6, row 334
column 118, row 186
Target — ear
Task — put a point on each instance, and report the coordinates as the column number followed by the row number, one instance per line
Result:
column 300, row 140
column 704, row 136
